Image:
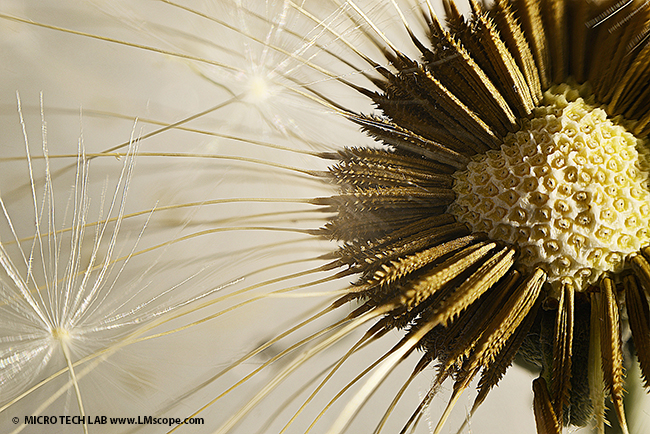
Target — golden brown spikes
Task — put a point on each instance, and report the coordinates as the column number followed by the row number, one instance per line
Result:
column 514, row 39
column 506, row 320
column 389, row 198
column 391, row 159
column 595, row 370
column 415, row 292
column 468, row 330
column 555, row 22
column 368, row 224
column 424, row 90
column 465, row 331
column 373, row 212
column 601, row 75
column 493, row 373
column 487, row 275
column 412, row 242
column 529, row 14
column 358, row 173
column 489, row 51
column 562, row 350
column 545, row 417
column 394, row 135
column 640, row 110
column 400, row 109
column 610, row 346
column 615, row 57
column 628, row 88
column 452, row 14
column 579, row 33
column 459, row 112
column 388, row 272
column 641, row 268
column 436, row 229
column 501, row 327
column 411, row 233
column 639, row 317
column 453, row 65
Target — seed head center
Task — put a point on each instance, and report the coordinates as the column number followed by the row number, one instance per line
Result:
column 61, row 334
column 570, row 188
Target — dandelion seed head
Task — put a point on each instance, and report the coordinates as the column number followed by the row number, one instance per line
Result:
column 246, row 238
column 61, row 334
column 568, row 188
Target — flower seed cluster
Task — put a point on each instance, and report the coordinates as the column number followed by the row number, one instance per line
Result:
column 569, row 189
